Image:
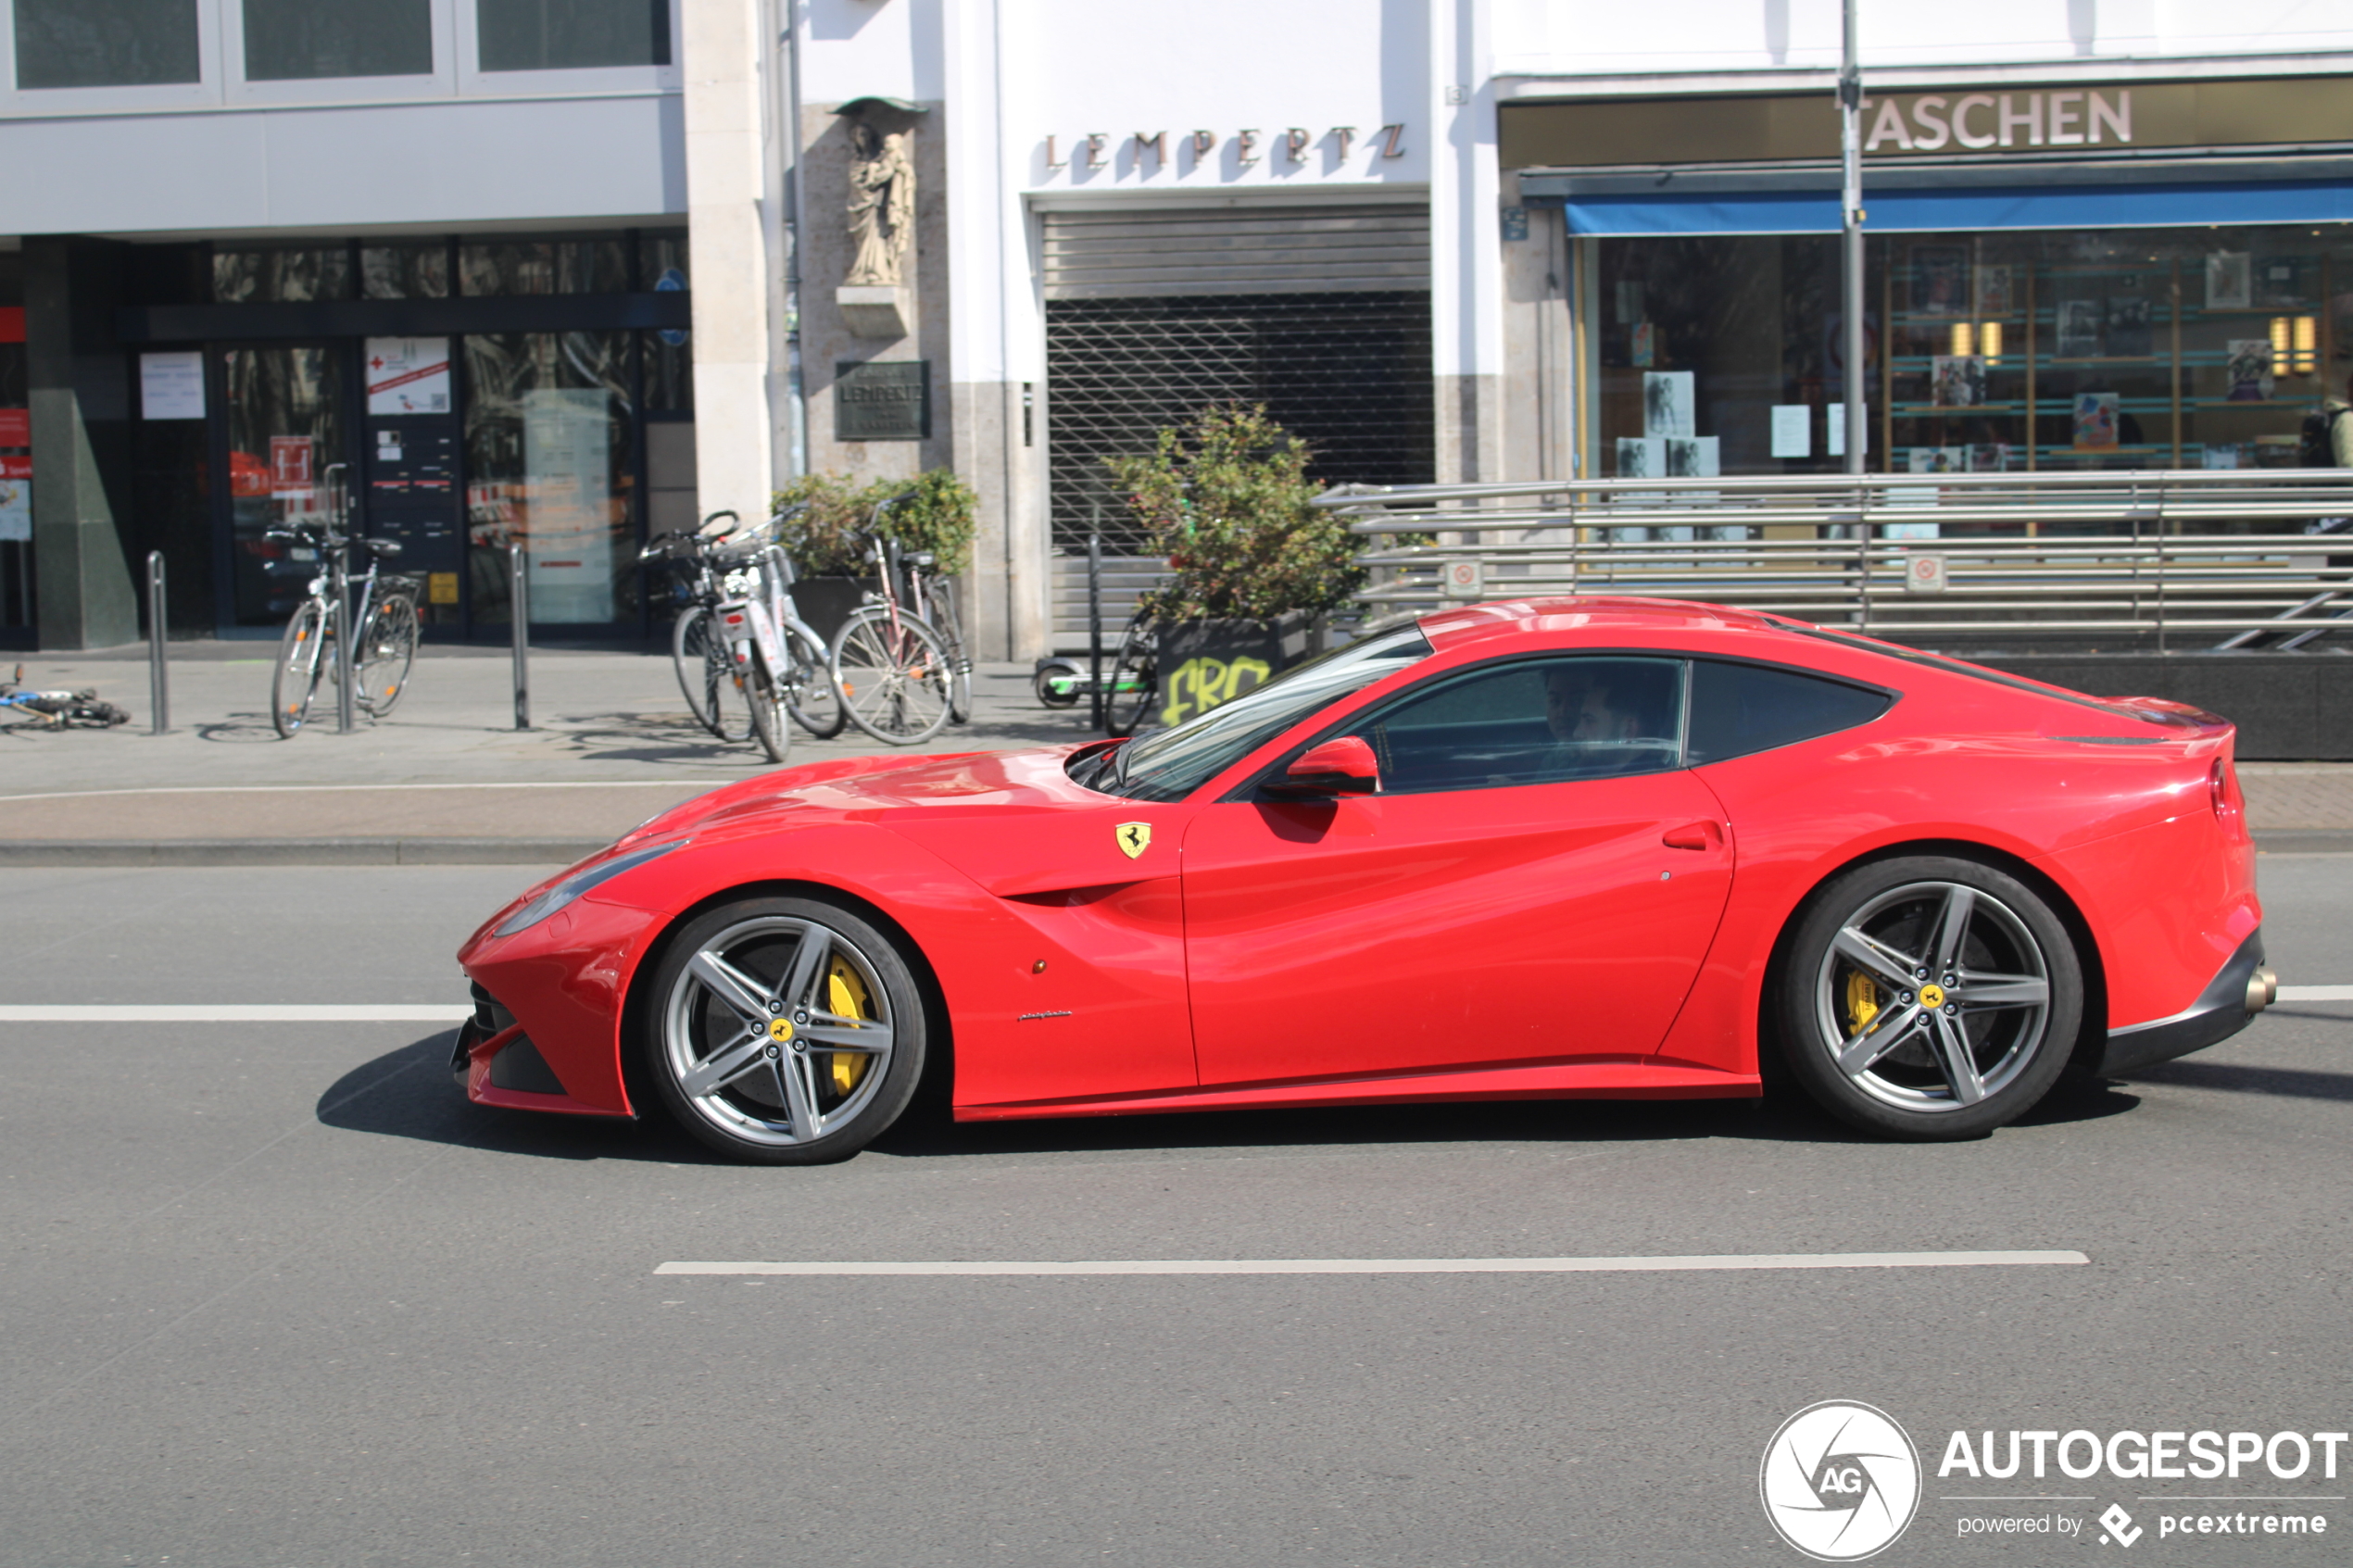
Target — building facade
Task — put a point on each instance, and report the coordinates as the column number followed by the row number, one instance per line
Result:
column 564, row 272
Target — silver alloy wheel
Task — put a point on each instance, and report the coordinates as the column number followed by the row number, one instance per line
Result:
column 777, row 1031
column 1932, row 997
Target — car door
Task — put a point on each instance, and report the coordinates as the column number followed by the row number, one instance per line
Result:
column 1516, row 893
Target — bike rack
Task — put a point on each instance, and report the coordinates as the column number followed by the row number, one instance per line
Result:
column 520, row 596
column 158, row 677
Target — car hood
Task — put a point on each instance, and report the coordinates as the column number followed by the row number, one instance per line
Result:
column 1004, row 818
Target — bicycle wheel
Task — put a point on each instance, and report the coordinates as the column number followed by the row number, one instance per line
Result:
column 810, row 693
column 893, row 679
column 302, row 657
column 1134, row 680
column 386, row 652
column 701, row 662
column 766, row 699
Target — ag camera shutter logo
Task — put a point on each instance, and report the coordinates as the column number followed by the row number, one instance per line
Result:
column 1840, row 1481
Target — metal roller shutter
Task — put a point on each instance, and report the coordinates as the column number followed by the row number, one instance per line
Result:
column 1147, row 252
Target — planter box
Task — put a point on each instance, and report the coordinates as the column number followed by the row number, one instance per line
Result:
column 825, row 602
column 1203, row 664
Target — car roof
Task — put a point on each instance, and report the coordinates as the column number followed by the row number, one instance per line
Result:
column 1450, row 629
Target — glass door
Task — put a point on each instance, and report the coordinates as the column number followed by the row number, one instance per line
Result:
column 283, row 410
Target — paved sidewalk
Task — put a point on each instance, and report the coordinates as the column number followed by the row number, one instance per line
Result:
column 445, row 778
column 448, row 779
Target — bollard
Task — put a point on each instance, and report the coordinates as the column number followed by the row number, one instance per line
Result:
column 519, row 598
column 1095, row 705
column 158, row 678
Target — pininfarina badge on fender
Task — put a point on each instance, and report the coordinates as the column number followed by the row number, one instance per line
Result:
column 1134, row 838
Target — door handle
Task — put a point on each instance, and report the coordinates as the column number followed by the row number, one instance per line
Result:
column 1702, row 835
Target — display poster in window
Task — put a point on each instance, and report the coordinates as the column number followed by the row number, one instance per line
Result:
column 16, row 428
column 1993, row 291
column 171, row 385
column 1693, row 457
column 290, row 468
column 1669, row 398
column 1642, row 456
column 15, row 509
column 2098, row 418
column 2079, row 322
column 1792, row 429
column 2229, row 279
column 1957, row 380
column 2250, row 365
column 2129, row 321
column 1989, row 457
column 567, row 461
column 1836, row 426
column 1940, row 279
column 408, row 375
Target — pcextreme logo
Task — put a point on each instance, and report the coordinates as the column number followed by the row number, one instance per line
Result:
column 1840, row 1481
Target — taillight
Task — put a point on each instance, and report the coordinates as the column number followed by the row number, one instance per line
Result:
column 2222, row 786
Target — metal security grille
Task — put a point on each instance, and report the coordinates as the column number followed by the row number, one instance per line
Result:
column 1348, row 372
column 1131, row 253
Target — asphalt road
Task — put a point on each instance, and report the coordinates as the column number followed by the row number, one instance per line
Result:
column 276, row 1295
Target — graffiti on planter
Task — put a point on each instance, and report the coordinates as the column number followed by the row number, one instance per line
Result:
column 1199, row 684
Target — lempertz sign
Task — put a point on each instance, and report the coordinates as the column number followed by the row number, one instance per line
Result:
column 1779, row 127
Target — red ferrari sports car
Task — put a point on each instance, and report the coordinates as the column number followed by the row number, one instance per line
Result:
column 1555, row 848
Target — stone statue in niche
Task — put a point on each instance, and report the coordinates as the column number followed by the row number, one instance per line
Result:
column 881, row 206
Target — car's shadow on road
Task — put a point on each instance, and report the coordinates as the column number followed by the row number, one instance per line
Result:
column 409, row 1094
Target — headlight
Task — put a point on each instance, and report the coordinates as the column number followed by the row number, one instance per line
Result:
column 580, row 881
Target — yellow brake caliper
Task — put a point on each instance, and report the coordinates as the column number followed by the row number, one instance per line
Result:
column 1862, row 1001
column 847, row 996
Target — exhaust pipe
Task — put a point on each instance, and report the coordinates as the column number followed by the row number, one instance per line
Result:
column 2263, row 988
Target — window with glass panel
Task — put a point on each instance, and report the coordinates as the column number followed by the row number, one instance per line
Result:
column 105, row 42
column 280, row 275
column 572, row 34
column 1531, row 721
column 405, row 269
column 535, row 265
column 292, row 40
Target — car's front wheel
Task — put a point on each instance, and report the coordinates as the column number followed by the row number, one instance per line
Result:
column 784, row 1030
column 1929, row 999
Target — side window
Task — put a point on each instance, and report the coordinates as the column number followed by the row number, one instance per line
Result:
column 1737, row 708
column 1537, row 721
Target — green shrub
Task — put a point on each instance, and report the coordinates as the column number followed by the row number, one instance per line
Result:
column 825, row 540
column 1225, row 497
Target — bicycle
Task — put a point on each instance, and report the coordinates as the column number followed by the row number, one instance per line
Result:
column 746, row 576
column 311, row 646
column 894, row 670
column 61, row 710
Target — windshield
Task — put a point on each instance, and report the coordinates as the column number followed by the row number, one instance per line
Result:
column 1174, row 763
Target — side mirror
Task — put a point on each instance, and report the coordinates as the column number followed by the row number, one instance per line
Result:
column 1342, row 766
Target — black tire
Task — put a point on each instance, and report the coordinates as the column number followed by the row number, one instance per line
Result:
column 1041, row 685
column 701, row 659
column 387, row 652
column 1133, row 680
column 771, row 1100
column 811, row 695
column 771, row 726
column 960, row 664
column 303, row 657
column 1888, row 1048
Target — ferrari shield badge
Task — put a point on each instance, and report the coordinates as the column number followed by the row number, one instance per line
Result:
column 1134, row 837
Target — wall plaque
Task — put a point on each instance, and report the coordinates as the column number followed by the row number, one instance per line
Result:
column 882, row 400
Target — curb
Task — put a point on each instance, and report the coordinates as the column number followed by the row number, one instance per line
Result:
column 298, row 851
column 2305, row 841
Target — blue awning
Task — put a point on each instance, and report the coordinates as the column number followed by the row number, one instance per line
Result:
column 1894, row 210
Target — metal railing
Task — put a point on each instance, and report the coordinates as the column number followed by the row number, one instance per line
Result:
column 2188, row 555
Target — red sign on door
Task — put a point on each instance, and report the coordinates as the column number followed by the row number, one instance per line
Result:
column 290, row 462
column 15, row 468
column 15, row 427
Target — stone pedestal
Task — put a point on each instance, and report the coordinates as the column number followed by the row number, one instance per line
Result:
column 880, row 310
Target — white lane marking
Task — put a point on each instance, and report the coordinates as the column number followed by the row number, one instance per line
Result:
column 2316, row 994
column 295, row 1012
column 331, row 789
column 1409, row 1265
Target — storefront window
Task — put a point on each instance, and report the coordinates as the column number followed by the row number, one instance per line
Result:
column 291, row 40
column 284, row 413
column 571, row 34
column 292, row 274
column 2125, row 348
column 496, row 267
column 408, row 271
column 548, row 466
column 105, row 42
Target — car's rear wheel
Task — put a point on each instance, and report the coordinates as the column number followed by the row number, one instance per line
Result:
column 784, row 1030
column 1929, row 999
